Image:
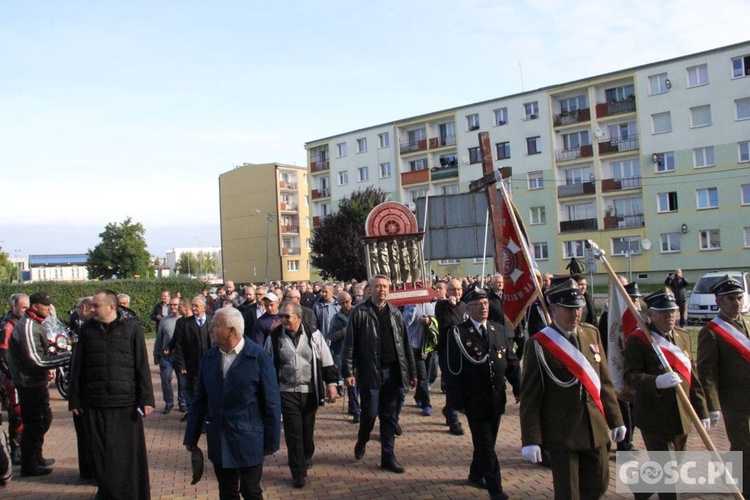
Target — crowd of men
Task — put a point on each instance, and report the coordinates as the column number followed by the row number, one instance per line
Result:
column 248, row 362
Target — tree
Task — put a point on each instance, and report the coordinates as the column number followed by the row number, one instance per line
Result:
column 121, row 254
column 8, row 271
column 338, row 241
column 198, row 264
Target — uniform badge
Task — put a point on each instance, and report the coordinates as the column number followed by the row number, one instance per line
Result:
column 500, row 353
column 595, row 350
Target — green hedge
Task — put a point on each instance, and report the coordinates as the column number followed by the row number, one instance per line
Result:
column 143, row 293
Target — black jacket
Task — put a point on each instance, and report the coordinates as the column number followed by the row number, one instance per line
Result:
column 190, row 341
column 362, row 347
column 110, row 365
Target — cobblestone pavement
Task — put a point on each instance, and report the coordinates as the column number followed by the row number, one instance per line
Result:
column 436, row 462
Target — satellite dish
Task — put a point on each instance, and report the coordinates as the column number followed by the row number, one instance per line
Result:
column 598, row 132
column 646, row 244
column 466, row 159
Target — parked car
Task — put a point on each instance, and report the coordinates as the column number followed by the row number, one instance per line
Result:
column 702, row 303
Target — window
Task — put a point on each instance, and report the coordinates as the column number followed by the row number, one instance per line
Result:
column 697, row 75
column 575, row 140
column 746, row 235
column 362, row 145
column 662, row 122
column 325, row 209
column 664, row 162
column 343, row 178
column 363, row 174
column 626, row 245
column 657, row 84
column 536, row 181
column 292, row 265
column 707, row 198
column 385, row 170
column 745, row 194
column 740, row 66
column 618, row 94
column 541, row 252
column 710, row 239
column 700, row 116
column 475, row 155
column 384, row 140
column 667, row 202
column 472, row 121
column 743, row 151
column 503, row 150
column 577, row 175
column 533, row 145
column 501, row 116
column 573, row 104
column 417, row 135
column 627, row 169
column 531, row 110
column 308, row 243
column 448, row 262
column 537, row 215
column 743, row 108
column 629, row 207
column 703, row 157
column 670, row 242
column 574, row 248
column 448, row 161
column 417, row 193
column 307, row 222
column 449, row 189
column 419, row 164
column 304, row 178
column 580, row 211
column 307, row 200
column 341, row 147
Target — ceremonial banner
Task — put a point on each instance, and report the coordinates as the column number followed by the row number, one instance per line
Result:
column 620, row 323
column 519, row 267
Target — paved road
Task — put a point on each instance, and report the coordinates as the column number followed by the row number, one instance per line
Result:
column 437, row 462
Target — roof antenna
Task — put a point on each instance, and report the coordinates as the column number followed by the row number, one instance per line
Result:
column 520, row 70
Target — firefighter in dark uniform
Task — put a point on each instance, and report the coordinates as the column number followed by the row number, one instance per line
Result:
column 480, row 359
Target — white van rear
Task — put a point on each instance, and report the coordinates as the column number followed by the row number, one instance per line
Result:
column 702, row 303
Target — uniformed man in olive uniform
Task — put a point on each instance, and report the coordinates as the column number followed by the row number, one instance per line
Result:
column 480, row 358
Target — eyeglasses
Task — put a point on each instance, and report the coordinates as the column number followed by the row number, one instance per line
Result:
column 285, row 316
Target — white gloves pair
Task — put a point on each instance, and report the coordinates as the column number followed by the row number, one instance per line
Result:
column 667, row 380
column 713, row 419
column 533, row 453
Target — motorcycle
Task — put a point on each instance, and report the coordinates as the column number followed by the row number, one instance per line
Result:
column 59, row 339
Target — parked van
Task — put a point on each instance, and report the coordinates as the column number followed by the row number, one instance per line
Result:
column 702, row 303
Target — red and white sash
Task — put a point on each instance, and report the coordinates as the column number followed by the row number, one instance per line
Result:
column 675, row 356
column 732, row 336
column 573, row 360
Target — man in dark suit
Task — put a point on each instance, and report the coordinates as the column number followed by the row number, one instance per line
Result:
column 254, row 311
column 656, row 411
column 724, row 368
column 480, row 358
column 568, row 416
column 191, row 340
column 237, row 396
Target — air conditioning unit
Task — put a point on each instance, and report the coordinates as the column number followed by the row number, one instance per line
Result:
column 412, row 206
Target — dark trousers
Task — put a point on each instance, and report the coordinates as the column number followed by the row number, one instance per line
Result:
column 37, row 418
column 626, row 408
column 580, row 474
column 383, row 404
column 243, row 481
column 681, row 307
column 189, row 386
column 298, row 410
column 353, row 405
column 660, row 443
column 737, row 424
column 15, row 422
column 84, row 455
column 450, row 412
column 484, row 463
column 422, row 393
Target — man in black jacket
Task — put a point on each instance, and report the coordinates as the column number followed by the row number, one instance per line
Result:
column 110, row 387
column 377, row 344
column 189, row 342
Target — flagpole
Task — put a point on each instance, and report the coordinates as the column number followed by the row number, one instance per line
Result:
column 682, row 398
column 484, row 248
column 524, row 250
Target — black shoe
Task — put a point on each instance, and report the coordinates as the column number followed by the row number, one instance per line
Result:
column 309, row 463
column 392, row 466
column 478, row 482
column 359, row 449
column 15, row 456
column 298, row 482
column 398, row 431
column 183, row 408
column 356, row 419
column 47, row 462
column 39, row 470
column 184, row 418
column 167, row 409
column 447, row 415
column 456, row 429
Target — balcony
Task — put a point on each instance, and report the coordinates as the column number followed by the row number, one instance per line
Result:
column 289, row 229
column 290, row 251
column 412, row 146
column 621, row 184
column 568, row 190
column 570, row 117
column 446, row 140
column 615, row 107
column 618, row 145
column 585, row 151
column 567, row 226
column 287, row 207
column 287, row 186
column 321, row 193
column 416, row 177
column 319, row 166
column 624, row 222
column 443, row 173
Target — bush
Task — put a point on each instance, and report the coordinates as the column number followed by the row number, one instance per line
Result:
column 143, row 293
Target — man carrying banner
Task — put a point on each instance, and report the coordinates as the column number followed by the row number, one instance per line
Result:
column 568, row 404
column 656, row 412
column 724, row 368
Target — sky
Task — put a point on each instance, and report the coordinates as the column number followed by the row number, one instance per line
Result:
column 129, row 108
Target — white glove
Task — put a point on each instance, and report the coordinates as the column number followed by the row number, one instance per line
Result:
column 706, row 423
column 667, row 380
column 715, row 417
column 532, row 453
column 618, row 433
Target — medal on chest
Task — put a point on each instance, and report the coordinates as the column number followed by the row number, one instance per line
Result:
column 595, row 350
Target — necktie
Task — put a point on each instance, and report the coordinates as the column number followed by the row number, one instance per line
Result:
column 482, row 332
column 200, row 321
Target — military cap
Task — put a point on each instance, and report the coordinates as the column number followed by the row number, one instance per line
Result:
column 662, row 300
column 632, row 290
column 40, row 298
column 558, row 279
column 475, row 294
column 566, row 294
column 197, row 464
column 726, row 285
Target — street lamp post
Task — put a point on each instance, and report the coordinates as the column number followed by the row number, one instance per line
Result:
column 200, row 256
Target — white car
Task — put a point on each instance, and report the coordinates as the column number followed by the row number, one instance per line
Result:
column 702, row 307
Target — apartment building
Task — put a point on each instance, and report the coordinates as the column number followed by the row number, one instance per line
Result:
column 649, row 162
column 265, row 223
